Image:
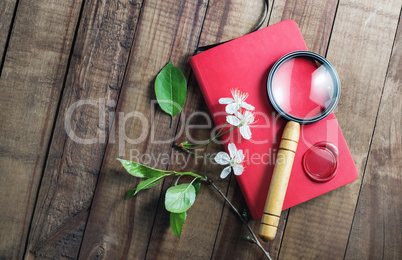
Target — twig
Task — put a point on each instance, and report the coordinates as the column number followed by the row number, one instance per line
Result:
column 202, row 144
column 255, row 240
column 195, row 154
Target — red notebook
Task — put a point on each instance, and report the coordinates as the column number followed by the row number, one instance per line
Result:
column 244, row 64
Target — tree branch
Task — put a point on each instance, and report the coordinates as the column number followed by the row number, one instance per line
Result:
column 255, row 240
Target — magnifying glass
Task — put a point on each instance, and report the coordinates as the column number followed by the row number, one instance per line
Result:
column 303, row 87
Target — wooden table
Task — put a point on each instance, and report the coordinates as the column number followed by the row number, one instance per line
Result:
column 60, row 199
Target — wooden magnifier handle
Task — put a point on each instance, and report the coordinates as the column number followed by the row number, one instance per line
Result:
column 279, row 181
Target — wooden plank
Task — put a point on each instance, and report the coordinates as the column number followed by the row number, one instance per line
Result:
column 32, row 79
column 377, row 225
column 315, row 20
column 167, row 30
column 6, row 16
column 315, row 25
column 224, row 20
column 96, row 73
column 360, row 49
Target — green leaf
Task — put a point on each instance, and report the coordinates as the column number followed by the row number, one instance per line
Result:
column 149, row 183
column 139, row 170
column 180, row 198
column 129, row 194
column 177, row 222
column 170, row 89
column 197, row 186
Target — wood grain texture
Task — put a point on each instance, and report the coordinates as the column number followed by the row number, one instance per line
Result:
column 360, row 49
column 376, row 230
column 167, row 31
column 30, row 86
column 96, row 73
column 227, row 20
column 35, row 74
column 199, row 233
column 6, row 16
column 316, row 37
column 315, row 20
column 279, row 181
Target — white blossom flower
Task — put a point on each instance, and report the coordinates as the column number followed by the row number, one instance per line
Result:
column 243, row 121
column 235, row 103
column 234, row 161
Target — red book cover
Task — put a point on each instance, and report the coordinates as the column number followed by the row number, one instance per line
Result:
column 244, row 64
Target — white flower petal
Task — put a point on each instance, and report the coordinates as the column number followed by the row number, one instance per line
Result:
column 222, row 158
column 247, row 106
column 232, row 108
column 225, row 100
column 233, row 120
column 238, row 169
column 239, row 115
column 225, row 172
column 232, row 150
column 239, row 156
column 245, row 132
column 248, row 114
column 250, row 119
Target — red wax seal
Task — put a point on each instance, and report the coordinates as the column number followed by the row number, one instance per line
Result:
column 321, row 161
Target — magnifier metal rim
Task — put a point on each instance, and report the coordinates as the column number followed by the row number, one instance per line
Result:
column 331, row 70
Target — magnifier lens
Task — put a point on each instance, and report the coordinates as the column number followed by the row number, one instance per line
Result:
column 304, row 88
